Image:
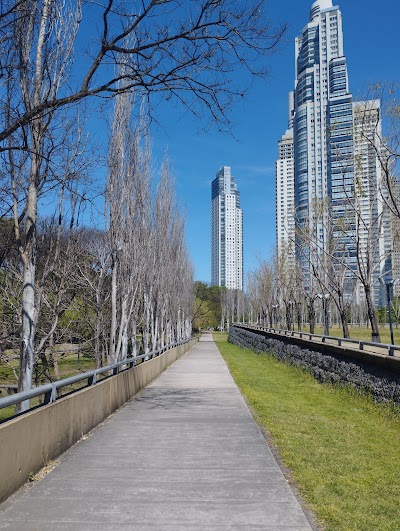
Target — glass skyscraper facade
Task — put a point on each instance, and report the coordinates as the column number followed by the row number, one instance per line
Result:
column 323, row 105
column 326, row 151
column 226, row 232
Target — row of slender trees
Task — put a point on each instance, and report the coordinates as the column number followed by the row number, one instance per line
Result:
column 151, row 274
column 281, row 295
column 61, row 62
column 111, row 290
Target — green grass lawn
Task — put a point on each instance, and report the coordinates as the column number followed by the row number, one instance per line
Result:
column 361, row 333
column 358, row 332
column 68, row 366
column 343, row 450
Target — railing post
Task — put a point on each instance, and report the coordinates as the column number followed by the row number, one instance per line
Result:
column 47, row 397
column 50, row 396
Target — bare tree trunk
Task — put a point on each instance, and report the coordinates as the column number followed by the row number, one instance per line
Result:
column 146, row 323
column 155, row 339
column 113, row 331
column 122, row 329
column 27, row 351
column 97, row 351
column 343, row 319
column 52, row 360
column 178, row 326
column 288, row 316
column 311, row 316
column 372, row 316
column 162, row 329
column 298, row 312
column 154, row 327
column 133, row 340
column 121, row 351
column 326, row 318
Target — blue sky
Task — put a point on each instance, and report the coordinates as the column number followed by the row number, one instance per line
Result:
column 372, row 49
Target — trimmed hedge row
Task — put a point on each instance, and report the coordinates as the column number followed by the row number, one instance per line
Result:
column 384, row 387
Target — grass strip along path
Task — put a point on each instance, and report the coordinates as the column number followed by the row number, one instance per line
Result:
column 343, row 449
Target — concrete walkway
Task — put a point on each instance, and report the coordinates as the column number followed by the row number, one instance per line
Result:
column 184, row 455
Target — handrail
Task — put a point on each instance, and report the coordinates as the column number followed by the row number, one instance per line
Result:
column 301, row 335
column 50, row 390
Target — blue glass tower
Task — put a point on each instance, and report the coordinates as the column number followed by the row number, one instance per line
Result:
column 337, row 192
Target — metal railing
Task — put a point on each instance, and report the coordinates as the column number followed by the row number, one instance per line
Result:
column 379, row 348
column 50, row 390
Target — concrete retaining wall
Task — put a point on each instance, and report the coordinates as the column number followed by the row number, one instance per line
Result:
column 29, row 442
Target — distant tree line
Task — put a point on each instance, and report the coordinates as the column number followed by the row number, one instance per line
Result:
column 217, row 307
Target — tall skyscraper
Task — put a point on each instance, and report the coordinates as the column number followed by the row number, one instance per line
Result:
column 323, row 105
column 285, row 214
column 226, row 232
column 333, row 165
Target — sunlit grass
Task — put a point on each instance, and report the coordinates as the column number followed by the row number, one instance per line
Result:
column 342, row 449
column 362, row 333
column 68, row 365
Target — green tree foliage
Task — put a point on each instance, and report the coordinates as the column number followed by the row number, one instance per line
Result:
column 207, row 312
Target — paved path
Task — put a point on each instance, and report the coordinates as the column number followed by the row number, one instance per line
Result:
column 184, row 455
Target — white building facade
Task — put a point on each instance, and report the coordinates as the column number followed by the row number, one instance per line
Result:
column 226, row 232
column 395, row 243
column 374, row 231
column 285, row 218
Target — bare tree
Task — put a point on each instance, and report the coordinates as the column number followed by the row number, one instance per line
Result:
column 91, row 277
column 330, row 262
column 261, row 292
column 55, row 172
column 184, row 50
column 164, row 284
column 128, row 220
column 151, row 277
column 286, row 279
column 36, row 61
